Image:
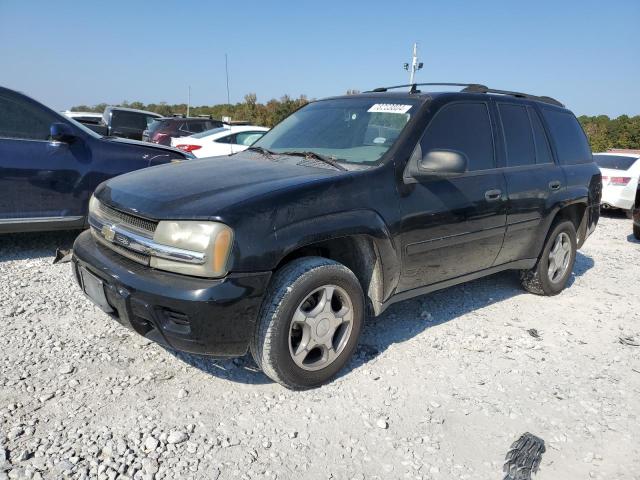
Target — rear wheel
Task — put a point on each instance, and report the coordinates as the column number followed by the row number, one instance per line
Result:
column 554, row 267
column 310, row 322
column 636, row 231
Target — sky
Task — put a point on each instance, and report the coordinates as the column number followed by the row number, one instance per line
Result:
column 65, row 53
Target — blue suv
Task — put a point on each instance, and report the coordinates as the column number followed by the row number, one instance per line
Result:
column 50, row 165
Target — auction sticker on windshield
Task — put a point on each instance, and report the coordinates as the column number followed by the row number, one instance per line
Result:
column 389, row 108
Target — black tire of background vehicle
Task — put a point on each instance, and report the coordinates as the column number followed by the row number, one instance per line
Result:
column 537, row 279
column 289, row 287
column 636, row 231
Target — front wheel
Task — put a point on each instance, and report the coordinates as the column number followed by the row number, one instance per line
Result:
column 309, row 323
column 554, row 267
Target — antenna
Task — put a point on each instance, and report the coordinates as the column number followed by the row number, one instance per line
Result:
column 188, row 100
column 414, row 66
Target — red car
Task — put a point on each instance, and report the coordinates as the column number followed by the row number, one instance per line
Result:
column 162, row 130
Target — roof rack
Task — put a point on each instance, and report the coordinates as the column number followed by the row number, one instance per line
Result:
column 474, row 88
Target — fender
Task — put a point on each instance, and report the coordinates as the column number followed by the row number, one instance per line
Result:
column 332, row 226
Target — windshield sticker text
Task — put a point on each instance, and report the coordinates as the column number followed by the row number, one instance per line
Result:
column 389, row 108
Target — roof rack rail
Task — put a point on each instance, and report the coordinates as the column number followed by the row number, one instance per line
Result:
column 473, row 88
column 483, row 89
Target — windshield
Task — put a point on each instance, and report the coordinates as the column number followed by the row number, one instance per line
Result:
column 212, row 131
column 356, row 130
column 615, row 162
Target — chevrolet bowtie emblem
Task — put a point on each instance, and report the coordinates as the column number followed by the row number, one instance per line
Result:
column 108, row 232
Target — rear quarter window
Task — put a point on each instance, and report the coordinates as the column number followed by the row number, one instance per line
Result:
column 570, row 140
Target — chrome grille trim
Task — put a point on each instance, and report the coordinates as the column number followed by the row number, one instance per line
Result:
column 134, row 256
column 140, row 245
column 116, row 216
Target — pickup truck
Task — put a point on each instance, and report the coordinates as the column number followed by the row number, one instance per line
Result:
column 347, row 206
column 122, row 122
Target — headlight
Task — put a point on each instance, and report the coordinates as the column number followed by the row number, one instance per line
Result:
column 94, row 203
column 205, row 247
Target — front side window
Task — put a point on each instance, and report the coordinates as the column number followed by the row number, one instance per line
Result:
column 20, row 119
column 463, row 127
column 357, row 130
column 518, row 135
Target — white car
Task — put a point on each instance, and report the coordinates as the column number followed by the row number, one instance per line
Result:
column 220, row 141
column 620, row 174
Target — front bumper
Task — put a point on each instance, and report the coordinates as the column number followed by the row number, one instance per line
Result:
column 204, row 316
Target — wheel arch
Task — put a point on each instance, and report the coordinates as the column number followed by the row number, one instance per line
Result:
column 359, row 240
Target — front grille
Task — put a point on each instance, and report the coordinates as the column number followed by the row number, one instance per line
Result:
column 117, row 216
column 131, row 255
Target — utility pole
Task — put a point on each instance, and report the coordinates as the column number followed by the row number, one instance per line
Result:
column 188, row 100
column 226, row 69
column 414, row 66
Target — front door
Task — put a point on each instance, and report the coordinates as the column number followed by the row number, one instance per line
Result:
column 454, row 226
column 37, row 176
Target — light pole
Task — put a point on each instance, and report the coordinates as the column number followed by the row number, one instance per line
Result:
column 414, row 66
column 188, row 100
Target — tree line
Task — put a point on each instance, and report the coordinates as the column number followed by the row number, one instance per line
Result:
column 603, row 132
column 266, row 114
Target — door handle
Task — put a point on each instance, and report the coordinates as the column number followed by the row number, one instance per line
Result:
column 555, row 185
column 492, row 195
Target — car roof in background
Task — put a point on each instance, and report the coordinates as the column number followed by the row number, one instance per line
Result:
column 619, row 154
column 134, row 110
column 228, row 130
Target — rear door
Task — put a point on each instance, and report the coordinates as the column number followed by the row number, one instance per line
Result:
column 454, row 226
column 533, row 179
column 37, row 176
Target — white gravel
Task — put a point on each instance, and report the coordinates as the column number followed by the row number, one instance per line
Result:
column 440, row 388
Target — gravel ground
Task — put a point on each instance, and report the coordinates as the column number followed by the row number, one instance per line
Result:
column 440, row 388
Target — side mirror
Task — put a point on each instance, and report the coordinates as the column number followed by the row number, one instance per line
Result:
column 443, row 163
column 61, row 132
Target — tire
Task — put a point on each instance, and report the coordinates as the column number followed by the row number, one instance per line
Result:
column 297, row 290
column 539, row 279
column 636, row 231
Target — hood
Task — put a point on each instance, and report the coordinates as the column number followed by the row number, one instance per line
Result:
column 128, row 141
column 200, row 189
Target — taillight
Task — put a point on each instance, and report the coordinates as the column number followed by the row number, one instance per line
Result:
column 620, row 181
column 605, row 179
column 188, row 148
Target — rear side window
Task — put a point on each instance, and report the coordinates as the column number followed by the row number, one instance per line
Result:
column 20, row 119
column 120, row 119
column 571, row 142
column 615, row 162
column 227, row 139
column 518, row 135
column 463, row 127
column 543, row 150
column 248, row 138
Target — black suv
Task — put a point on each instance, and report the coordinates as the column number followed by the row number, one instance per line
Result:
column 162, row 130
column 348, row 205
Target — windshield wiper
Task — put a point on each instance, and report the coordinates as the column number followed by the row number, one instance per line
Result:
column 266, row 152
column 317, row 156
